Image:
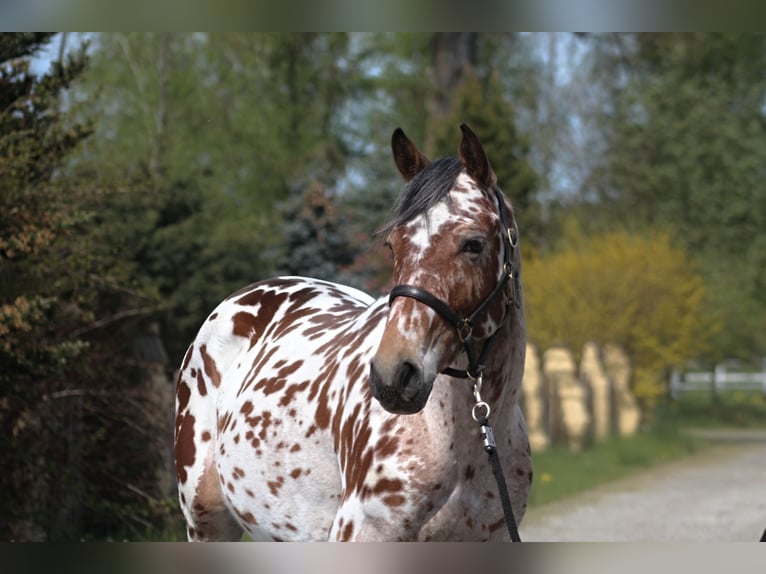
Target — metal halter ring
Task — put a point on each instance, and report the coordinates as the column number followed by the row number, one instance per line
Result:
column 512, row 239
column 479, row 405
column 464, row 330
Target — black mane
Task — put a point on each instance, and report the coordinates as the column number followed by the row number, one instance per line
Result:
column 424, row 191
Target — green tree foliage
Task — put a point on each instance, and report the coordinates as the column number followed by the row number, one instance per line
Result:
column 70, row 388
column 35, row 210
column 489, row 113
column 315, row 242
column 637, row 291
column 686, row 138
column 36, row 306
column 203, row 138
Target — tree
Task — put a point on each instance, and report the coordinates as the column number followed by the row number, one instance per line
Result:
column 81, row 435
column 315, row 242
column 205, row 136
column 483, row 106
column 686, row 137
column 38, row 293
column 638, row 291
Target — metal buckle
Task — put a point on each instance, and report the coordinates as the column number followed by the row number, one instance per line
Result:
column 464, row 330
column 512, row 238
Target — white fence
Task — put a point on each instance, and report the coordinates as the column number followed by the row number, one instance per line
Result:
column 718, row 380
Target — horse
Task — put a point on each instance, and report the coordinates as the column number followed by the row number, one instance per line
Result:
column 310, row 411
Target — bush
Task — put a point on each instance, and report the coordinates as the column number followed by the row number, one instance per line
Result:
column 637, row 291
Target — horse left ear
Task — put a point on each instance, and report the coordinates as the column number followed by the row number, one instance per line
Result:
column 407, row 156
column 475, row 160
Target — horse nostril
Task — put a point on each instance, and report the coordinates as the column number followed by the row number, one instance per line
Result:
column 408, row 379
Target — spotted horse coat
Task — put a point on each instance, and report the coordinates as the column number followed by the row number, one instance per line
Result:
column 307, row 410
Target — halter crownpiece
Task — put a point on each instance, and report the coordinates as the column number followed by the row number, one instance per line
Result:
column 509, row 283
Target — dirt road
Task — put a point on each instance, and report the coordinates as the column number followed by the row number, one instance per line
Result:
column 717, row 495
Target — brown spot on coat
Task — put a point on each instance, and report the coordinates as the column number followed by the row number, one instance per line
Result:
column 210, row 367
column 268, row 302
column 348, row 530
column 244, row 324
column 275, row 485
column 393, row 500
column 246, row 517
column 386, row 446
column 201, row 387
column 289, row 395
column 183, row 394
column 388, row 485
column 184, row 447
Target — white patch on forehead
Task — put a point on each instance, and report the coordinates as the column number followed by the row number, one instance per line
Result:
column 459, row 208
column 471, row 200
column 421, row 228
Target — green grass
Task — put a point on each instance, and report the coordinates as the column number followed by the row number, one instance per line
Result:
column 560, row 472
column 737, row 409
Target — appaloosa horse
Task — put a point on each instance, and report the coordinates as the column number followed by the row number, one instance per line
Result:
column 307, row 410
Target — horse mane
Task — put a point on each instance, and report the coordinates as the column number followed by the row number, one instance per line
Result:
column 422, row 192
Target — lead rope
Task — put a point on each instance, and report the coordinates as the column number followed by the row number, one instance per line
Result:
column 494, row 460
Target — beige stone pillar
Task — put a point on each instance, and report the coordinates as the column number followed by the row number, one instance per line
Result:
column 618, row 369
column 560, row 370
column 534, row 400
column 592, row 372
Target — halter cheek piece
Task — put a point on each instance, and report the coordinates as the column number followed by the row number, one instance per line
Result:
column 508, row 283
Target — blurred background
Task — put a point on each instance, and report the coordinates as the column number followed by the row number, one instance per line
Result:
column 143, row 177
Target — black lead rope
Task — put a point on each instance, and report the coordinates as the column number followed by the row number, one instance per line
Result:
column 497, row 470
column 494, row 460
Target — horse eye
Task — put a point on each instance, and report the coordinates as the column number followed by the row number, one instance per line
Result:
column 474, row 245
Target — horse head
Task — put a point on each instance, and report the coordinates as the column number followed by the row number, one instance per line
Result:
column 455, row 267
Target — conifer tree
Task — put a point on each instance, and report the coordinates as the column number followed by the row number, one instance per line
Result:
column 78, row 417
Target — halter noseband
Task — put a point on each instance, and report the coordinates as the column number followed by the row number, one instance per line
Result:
column 509, row 283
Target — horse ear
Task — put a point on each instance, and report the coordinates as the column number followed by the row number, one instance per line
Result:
column 407, row 156
column 475, row 160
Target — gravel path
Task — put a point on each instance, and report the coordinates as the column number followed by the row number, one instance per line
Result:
column 717, row 495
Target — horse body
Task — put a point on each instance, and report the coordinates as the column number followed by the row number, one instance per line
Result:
column 289, row 405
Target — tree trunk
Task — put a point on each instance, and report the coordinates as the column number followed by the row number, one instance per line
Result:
column 452, row 53
column 161, row 113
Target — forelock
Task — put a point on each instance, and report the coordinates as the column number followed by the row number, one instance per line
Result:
column 424, row 191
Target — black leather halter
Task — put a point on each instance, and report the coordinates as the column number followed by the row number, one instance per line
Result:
column 508, row 283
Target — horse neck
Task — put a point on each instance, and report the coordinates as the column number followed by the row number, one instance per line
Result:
column 505, row 366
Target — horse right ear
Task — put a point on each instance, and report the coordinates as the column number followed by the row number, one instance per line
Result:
column 407, row 156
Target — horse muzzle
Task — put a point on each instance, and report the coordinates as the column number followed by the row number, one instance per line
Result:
column 401, row 387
